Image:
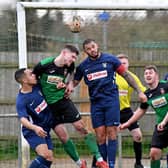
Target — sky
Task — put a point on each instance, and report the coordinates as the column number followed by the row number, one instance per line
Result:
column 7, row 3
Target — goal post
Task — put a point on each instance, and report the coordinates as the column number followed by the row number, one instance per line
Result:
column 22, row 40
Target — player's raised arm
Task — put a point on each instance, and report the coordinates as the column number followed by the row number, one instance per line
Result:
column 131, row 81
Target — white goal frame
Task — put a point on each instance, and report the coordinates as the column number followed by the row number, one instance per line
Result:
column 22, row 45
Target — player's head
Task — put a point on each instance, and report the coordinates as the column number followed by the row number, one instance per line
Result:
column 91, row 48
column 151, row 75
column 25, row 76
column 69, row 53
column 124, row 60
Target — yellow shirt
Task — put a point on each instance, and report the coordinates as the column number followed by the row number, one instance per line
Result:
column 125, row 90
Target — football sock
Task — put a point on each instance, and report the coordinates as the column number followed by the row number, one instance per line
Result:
column 90, row 140
column 103, row 151
column 40, row 162
column 138, row 151
column 78, row 163
column 111, row 152
column 70, row 149
column 155, row 164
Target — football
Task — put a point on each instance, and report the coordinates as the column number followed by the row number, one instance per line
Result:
column 75, row 25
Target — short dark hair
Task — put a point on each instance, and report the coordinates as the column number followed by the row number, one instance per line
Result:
column 122, row 56
column 151, row 67
column 72, row 48
column 87, row 41
column 19, row 75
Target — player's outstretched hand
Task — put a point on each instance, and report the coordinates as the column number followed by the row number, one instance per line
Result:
column 61, row 85
column 160, row 127
column 123, row 126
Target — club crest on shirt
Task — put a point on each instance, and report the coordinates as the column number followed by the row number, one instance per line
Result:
column 104, row 65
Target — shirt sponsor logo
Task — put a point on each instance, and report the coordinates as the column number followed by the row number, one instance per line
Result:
column 41, row 107
column 54, row 79
column 123, row 92
column 159, row 102
column 97, row 75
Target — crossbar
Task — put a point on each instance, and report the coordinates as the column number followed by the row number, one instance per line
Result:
column 96, row 6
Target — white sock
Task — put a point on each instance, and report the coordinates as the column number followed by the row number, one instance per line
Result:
column 79, row 162
column 100, row 159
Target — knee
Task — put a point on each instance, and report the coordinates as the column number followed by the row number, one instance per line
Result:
column 62, row 135
column 101, row 138
column 79, row 126
column 112, row 133
column 136, row 135
column 137, row 138
column 48, row 156
column 155, row 154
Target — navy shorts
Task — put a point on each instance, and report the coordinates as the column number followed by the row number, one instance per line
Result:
column 64, row 111
column 125, row 115
column 34, row 140
column 105, row 113
column 160, row 138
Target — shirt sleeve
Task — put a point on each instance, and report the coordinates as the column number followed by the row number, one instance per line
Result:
column 21, row 108
column 121, row 69
column 78, row 73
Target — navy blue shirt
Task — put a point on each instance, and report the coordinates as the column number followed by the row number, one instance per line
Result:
column 34, row 107
column 99, row 75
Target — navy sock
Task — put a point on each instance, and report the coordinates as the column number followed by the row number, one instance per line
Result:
column 111, row 151
column 40, row 162
column 94, row 162
column 103, row 151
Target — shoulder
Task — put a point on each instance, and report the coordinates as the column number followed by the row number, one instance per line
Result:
column 163, row 81
column 136, row 78
column 108, row 56
column 21, row 99
column 133, row 74
column 47, row 60
column 84, row 63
